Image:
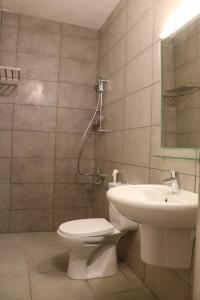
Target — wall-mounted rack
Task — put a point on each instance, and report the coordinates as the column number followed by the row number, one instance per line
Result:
column 183, row 90
column 9, row 76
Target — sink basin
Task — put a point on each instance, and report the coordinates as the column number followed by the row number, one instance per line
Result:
column 166, row 221
column 156, row 205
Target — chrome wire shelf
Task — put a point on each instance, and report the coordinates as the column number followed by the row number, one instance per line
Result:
column 9, row 76
column 180, row 91
column 183, row 90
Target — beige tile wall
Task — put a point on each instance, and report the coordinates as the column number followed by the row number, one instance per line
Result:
column 129, row 58
column 42, row 120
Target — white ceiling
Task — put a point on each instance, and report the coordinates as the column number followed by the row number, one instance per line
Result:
column 89, row 13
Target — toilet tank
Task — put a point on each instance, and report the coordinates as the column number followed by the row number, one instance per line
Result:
column 119, row 221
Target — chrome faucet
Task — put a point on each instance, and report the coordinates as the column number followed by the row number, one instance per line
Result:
column 173, row 181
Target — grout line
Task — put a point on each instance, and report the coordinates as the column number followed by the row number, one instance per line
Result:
column 124, row 83
column 55, row 149
column 1, row 17
column 39, row 131
column 60, row 25
column 150, row 137
column 55, row 56
column 167, row 170
column 121, row 292
column 151, row 113
column 179, row 277
column 30, row 286
column 139, row 166
column 10, row 158
column 131, row 59
column 185, row 109
column 12, row 126
column 75, row 157
column 48, row 183
column 64, row 34
column 48, row 106
column 91, row 289
column 45, row 132
column 131, row 94
column 131, row 27
column 47, row 209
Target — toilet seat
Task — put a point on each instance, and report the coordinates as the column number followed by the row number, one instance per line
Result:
column 86, row 228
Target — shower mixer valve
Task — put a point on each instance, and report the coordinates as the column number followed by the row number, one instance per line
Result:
column 99, row 175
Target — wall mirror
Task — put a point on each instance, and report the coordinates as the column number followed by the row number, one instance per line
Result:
column 180, row 76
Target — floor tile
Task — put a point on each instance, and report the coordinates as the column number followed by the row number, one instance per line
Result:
column 132, row 278
column 12, row 242
column 45, row 253
column 108, row 285
column 142, row 294
column 57, row 286
column 51, row 261
column 137, row 294
column 42, row 242
column 15, row 288
column 13, row 267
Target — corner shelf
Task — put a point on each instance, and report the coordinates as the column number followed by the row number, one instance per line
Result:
column 9, row 76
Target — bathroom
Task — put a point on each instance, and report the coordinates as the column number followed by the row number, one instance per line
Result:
column 94, row 65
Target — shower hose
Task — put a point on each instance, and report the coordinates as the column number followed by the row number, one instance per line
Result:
column 84, row 139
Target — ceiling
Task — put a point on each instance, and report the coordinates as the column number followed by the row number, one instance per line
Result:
column 89, row 13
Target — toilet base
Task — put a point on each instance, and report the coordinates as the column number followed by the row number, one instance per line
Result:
column 102, row 263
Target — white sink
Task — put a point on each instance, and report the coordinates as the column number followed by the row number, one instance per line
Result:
column 155, row 204
column 167, row 221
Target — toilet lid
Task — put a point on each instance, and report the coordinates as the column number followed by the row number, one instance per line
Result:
column 86, row 227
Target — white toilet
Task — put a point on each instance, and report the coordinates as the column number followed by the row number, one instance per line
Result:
column 92, row 244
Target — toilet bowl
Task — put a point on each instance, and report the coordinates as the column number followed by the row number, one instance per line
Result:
column 92, row 253
column 92, row 244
